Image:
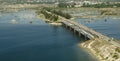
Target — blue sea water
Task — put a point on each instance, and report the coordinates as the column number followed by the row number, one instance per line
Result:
column 23, row 41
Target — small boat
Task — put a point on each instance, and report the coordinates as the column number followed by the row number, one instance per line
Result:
column 105, row 20
column 14, row 21
column 31, row 22
column 89, row 21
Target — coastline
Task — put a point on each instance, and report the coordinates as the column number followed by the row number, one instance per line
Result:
column 57, row 23
column 89, row 51
column 98, row 16
column 101, row 50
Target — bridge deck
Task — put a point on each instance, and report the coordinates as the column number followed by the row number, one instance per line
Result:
column 83, row 29
column 90, row 33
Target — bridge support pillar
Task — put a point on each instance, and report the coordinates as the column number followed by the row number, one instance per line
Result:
column 85, row 37
column 70, row 29
column 75, row 32
column 79, row 34
column 66, row 26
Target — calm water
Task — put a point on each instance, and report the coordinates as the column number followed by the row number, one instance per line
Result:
column 37, row 41
column 109, row 26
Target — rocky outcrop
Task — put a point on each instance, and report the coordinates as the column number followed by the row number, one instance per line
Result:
column 103, row 50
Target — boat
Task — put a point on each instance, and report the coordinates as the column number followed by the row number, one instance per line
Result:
column 14, row 21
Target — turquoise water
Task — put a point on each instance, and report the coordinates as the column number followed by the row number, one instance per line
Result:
column 37, row 41
column 109, row 26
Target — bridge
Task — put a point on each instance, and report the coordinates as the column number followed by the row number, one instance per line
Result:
column 85, row 32
column 81, row 30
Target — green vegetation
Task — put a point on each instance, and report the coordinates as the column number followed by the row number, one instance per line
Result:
column 117, row 49
column 66, row 5
column 58, row 12
column 104, row 11
column 50, row 16
column 115, row 56
column 25, row 2
column 102, row 5
column 108, row 12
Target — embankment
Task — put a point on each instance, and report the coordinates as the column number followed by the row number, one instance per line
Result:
column 103, row 50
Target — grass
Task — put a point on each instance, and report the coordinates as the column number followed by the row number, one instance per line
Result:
column 115, row 56
column 117, row 49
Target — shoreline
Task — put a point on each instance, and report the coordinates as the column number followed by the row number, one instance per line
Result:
column 101, row 50
column 48, row 21
column 89, row 51
column 98, row 16
column 56, row 24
